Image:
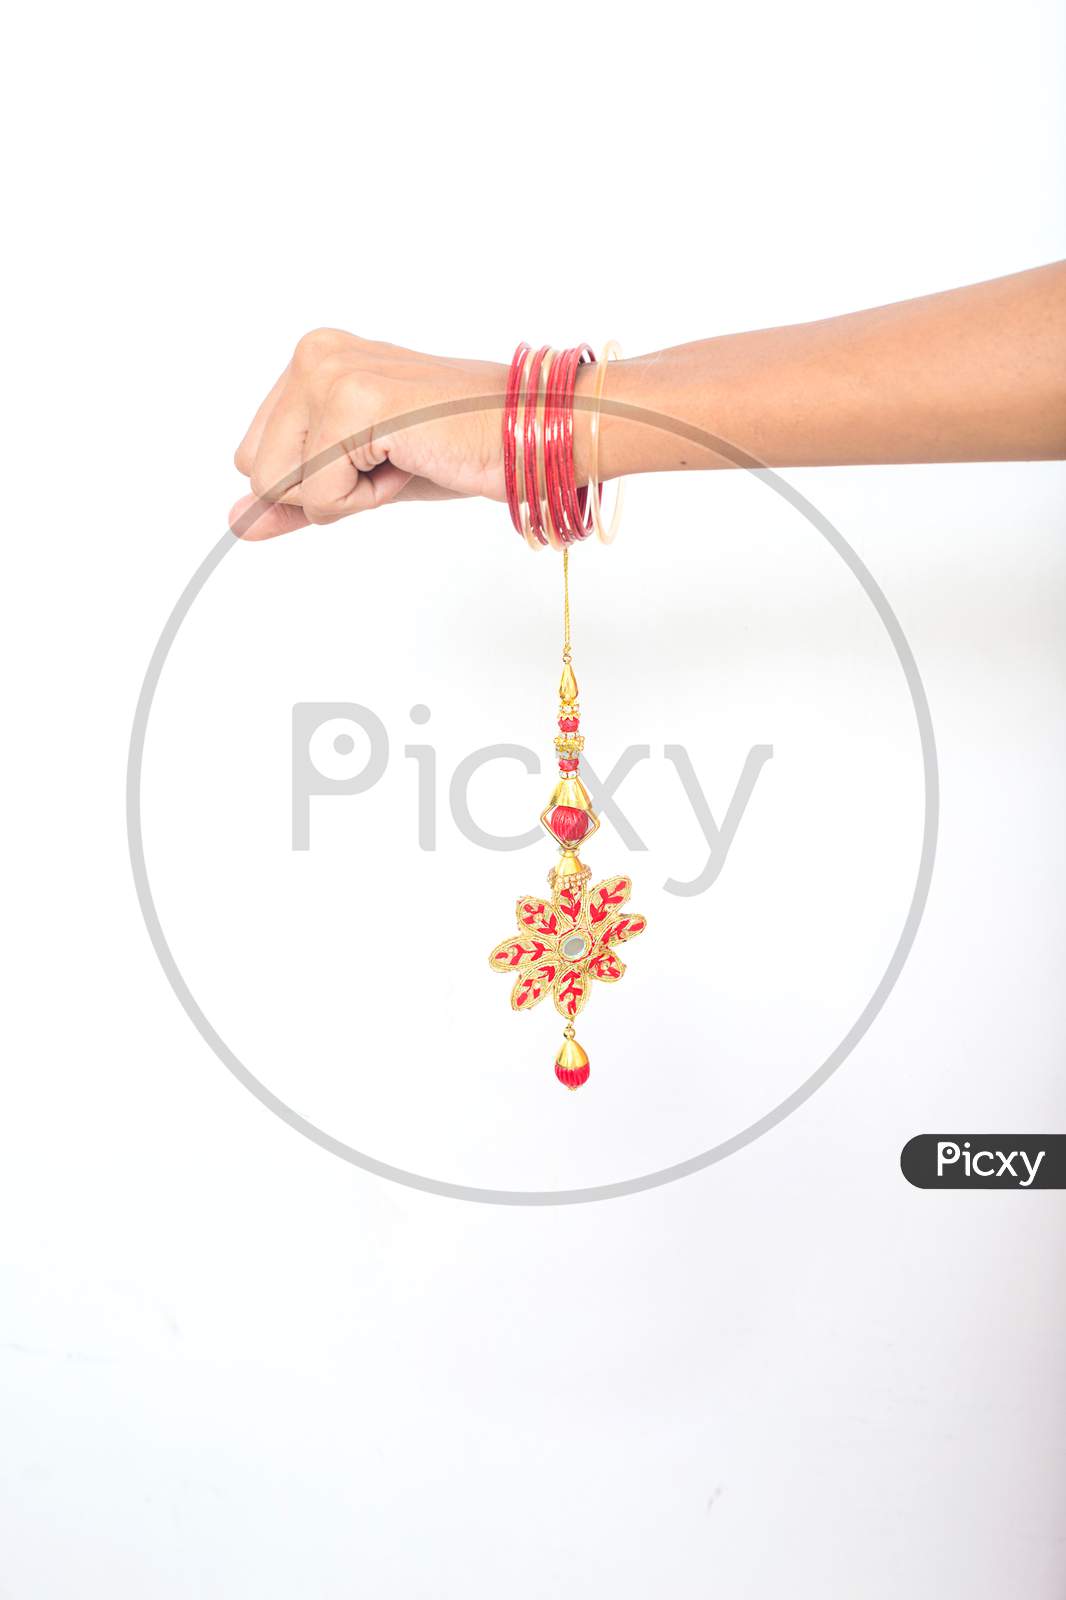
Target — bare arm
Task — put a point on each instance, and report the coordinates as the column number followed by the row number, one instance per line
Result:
column 974, row 374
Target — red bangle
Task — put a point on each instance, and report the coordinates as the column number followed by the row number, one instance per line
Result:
column 510, row 416
column 546, row 506
column 531, row 456
column 566, row 506
column 553, row 429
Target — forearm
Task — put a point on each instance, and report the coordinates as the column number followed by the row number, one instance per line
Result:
column 974, row 374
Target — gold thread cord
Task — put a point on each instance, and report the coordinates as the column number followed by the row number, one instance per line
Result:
column 566, row 605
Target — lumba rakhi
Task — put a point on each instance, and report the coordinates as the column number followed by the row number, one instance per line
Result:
column 568, row 942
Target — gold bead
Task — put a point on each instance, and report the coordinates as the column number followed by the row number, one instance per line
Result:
column 571, row 792
column 571, row 1064
column 571, row 1056
column 567, row 685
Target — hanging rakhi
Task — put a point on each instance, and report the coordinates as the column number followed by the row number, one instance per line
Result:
column 569, row 941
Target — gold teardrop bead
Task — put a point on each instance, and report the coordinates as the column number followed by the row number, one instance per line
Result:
column 571, row 1065
column 567, row 685
column 571, row 1055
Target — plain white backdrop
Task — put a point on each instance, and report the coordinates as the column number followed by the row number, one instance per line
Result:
column 232, row 1363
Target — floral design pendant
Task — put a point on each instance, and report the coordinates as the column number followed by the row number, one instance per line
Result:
column 568, row 942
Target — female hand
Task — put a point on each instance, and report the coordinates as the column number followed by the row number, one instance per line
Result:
column 324, row 443
column 972, row 374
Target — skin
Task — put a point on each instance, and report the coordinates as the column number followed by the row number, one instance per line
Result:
column 974, row 374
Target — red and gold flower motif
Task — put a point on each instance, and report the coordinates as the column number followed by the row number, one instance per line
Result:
column 564, row 942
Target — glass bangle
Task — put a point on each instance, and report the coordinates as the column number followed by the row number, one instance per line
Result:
column 611, row 352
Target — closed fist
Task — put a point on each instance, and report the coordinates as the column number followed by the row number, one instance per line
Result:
column 352, row 424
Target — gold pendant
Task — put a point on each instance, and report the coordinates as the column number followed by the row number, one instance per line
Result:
column 570, row 940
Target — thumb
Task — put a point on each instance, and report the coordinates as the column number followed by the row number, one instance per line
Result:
column 254, row 518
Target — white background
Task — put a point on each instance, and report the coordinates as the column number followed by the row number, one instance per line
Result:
column 232, row 1363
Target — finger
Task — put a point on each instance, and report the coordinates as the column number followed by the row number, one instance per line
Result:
column 253, row 519
column 373, row 489
column 278, row 467
column 245, row 455
column 344, row 470
column 330, row 478
column 381, row 486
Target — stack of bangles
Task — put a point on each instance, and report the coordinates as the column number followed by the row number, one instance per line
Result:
column 546, row 506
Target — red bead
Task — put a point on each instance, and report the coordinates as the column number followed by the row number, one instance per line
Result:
column 572, row 1077
column 568, row 724
column 569, row 824
column 569, row 765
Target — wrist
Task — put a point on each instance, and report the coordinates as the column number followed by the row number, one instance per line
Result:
column 612, row 445
column 649, row 407
column 635, row 409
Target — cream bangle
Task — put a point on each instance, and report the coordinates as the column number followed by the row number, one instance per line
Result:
column 611, row 352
